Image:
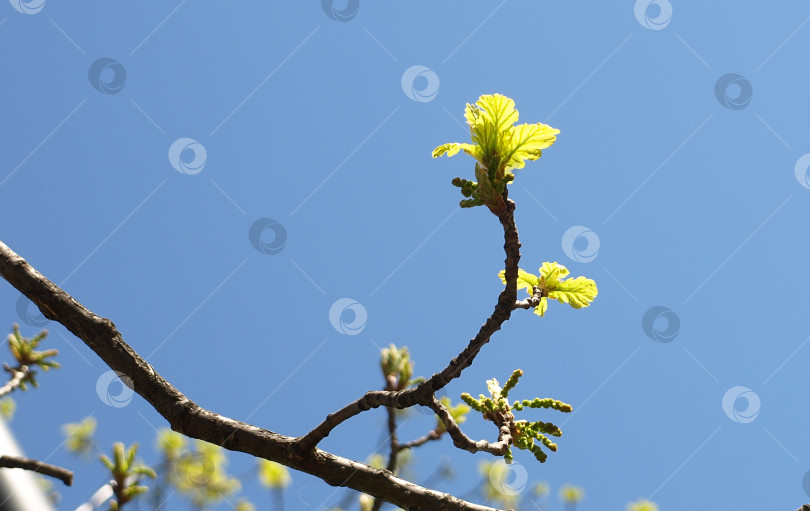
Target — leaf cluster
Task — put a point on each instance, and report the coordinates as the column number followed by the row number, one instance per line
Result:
column 24, row 351
column 498, row 147
column 526, row 435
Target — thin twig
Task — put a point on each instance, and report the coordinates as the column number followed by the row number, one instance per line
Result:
column 424, row 393
column 18, row 374
column 63, row 474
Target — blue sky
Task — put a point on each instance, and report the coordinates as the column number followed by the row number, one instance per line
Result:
column 680, row 167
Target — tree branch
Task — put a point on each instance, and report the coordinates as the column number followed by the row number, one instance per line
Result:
column 63, row 474
column 18, row 374
column 187, row 417
column 423, row 394
column 462, row 441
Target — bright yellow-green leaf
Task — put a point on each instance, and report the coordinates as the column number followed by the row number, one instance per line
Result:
column 498, row 145
column 578, row 292
column 494, row 110
column 448, row 150
column 552, row 273
column 526, row 143
column 541, row 308
column 553, row 280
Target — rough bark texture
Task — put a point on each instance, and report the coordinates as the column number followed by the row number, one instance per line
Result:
column 301, row 453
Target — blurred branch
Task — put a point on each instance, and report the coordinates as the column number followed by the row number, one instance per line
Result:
column 18, row 375
column 64, row 475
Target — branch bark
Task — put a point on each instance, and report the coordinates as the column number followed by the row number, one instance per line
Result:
column 63, row 474
column 185, row 416
column 423, row 394
column 18, row 374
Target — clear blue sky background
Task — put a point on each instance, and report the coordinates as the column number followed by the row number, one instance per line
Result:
column 695, row 206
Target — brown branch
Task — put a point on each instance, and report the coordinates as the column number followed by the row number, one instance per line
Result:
column 432, row 435
column 63, row 474
column 18, row 374
column 185, row 416
column 423, row 394
column 462, row 441
column 532, row 301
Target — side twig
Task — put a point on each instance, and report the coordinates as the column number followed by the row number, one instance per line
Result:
column 63, row 474
column 423, row 394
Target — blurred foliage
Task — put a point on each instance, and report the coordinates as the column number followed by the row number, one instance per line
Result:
column 642, row 505
column 197, row 474
column 7, row 408
column 274, row 475
column 571, row 494
column 80, row 439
